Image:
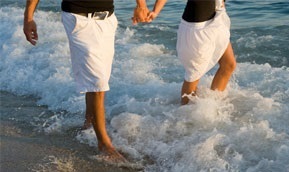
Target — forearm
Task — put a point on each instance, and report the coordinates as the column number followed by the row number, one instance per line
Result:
column 141, row 3
column 29, row 10
column 159, row 4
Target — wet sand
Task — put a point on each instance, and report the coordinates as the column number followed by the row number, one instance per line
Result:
column 24, row 149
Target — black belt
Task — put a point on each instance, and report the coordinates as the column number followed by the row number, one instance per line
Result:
column 98, row 14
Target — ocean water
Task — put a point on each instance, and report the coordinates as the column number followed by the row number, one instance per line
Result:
column 245, row 128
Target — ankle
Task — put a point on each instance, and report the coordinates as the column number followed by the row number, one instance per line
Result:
column 105, row 146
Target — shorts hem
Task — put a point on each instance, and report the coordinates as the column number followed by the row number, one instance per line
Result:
column 85, row 90
column 191, row 79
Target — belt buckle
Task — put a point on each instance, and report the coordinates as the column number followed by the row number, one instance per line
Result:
column 101, row 15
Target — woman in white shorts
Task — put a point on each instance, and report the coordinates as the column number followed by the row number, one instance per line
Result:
column 203, row 41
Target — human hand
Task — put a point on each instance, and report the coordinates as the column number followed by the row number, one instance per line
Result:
column 30, row 31
column 151, row 16
column 140, row 15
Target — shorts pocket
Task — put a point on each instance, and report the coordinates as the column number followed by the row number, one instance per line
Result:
column 113, row 21
column 69, row 21
column 81, row 22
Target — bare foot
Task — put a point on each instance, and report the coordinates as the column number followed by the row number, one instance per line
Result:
column 110, row 154
column 189, row 97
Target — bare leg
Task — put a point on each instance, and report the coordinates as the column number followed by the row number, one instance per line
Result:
column 95, row 109
column 88, row 121
column 227, row 66
column 188, row 88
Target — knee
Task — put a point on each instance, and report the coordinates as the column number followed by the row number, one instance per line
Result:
column 232, row 66
column 228, row 67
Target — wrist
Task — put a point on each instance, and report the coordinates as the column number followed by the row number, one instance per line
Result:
column 27, row 17
column 155, row 12
column 141, row 7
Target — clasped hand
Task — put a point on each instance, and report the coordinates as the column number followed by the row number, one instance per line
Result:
column 143, row 15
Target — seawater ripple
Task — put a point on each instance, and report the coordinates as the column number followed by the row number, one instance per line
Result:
column 244, row 128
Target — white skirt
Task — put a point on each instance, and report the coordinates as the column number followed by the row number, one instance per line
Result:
column 200, row 45
column 91, row 43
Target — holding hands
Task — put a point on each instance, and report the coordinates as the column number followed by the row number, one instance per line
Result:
column 143, row 15
column 140, row 14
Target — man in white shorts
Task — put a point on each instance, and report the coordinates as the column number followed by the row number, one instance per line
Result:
column 90, row 27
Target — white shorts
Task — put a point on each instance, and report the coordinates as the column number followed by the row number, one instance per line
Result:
column 200, row 45
column 91, row 43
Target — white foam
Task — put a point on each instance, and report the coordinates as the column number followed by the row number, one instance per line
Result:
column 243, row 129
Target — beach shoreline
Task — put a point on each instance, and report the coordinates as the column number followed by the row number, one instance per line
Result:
column 24, row 149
